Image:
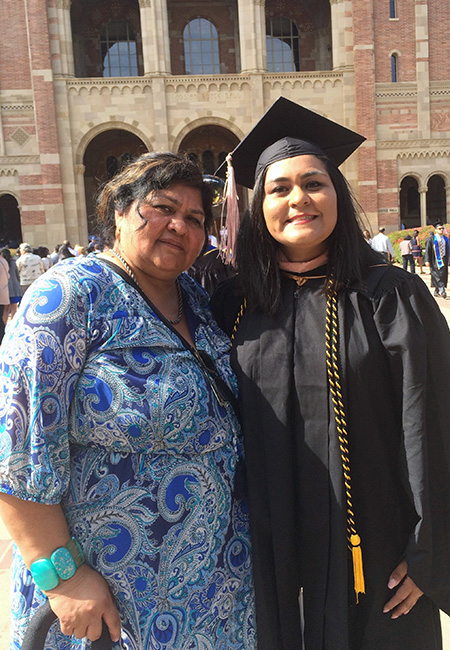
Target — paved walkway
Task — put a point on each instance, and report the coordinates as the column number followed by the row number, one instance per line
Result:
column 5, row 546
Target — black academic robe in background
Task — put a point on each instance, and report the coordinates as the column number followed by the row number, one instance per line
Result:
column 394, row 348
column 439, row 276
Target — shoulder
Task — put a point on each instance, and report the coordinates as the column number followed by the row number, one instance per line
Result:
column 382, row 279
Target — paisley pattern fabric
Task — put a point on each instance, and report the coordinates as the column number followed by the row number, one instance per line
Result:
column 104, row 410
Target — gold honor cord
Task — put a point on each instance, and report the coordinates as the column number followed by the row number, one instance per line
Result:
column 241, row 311
column 331, row 337
column 334, row 382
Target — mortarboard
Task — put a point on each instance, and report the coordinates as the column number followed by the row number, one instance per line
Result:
column 286, row 130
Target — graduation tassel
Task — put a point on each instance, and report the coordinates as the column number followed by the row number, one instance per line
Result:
column 229, row 226
column 358, row 572
column 334, row 383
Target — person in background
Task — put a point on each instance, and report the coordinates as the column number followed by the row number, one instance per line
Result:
column 120, row 443
column 367, row 237
column 382, row 244
column 407, row 254
column 44, row 254
column 80, row 250
column 29, row 265
column 437, row 258
column 55, row 255
column 67, row 243
column 65, row 252
column 4, row 293
column 417, row 250
column 14, row 290
column 343, row 362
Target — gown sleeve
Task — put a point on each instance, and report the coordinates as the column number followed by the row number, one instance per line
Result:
column 417, row 339
column 41, row 358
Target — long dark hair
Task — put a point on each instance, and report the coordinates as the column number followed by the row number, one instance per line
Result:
column 150, row 172
column 349, row 255
column 6, row 253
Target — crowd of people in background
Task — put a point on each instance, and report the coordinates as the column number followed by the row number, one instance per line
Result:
column 21, row 264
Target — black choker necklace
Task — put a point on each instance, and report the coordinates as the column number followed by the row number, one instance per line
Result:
column 177, row 283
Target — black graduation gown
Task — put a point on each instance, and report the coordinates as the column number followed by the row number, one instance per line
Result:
column 209, row 270
column 394, row 348
column 439, row 276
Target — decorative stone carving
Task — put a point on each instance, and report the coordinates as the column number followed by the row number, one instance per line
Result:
column 133, row 85
column 17, row 107
column 9, row 172
column 145, row 3
column 63, row 4
column 20, row 136
column 19, row 160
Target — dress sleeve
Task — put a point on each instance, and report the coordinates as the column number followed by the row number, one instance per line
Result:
column 417, row 339
column 41, row 358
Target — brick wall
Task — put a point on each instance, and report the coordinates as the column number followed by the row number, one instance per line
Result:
column 439, row 39
column 394, row 35
column 14, row 60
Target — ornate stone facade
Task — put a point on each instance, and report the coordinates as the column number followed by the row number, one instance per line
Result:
column 64, row 121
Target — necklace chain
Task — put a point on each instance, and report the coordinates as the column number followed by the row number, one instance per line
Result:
column 176, row 320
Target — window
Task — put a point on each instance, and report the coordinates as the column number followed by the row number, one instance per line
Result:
column 208, row 162
column 394, row 68
column 118, row 50
column 392, row 8
column 201, row 47
column 282, row 42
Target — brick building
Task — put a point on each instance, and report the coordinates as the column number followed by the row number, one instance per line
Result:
column 85, row 85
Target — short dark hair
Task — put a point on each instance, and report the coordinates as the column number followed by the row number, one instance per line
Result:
column 150, row 172
column 349, row 254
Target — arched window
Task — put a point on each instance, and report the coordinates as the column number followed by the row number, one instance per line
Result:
column 283, row 53
column 394, row 68
column 201, row 47
column 208, row 162
column 118, row 46
column 392, row 9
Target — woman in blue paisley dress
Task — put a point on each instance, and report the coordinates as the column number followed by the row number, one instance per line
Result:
column 118, row 428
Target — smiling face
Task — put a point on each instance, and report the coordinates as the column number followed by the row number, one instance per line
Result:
column 300, row 206
column 162, row 235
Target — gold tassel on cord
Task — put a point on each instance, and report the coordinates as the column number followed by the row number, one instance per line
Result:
column 358, row 573
column 334, row 383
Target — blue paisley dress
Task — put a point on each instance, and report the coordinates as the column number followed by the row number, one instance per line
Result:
column 104, row 410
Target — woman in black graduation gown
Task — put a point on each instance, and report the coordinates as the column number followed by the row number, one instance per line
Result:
column 344, row 368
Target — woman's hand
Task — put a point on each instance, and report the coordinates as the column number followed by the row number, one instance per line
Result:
column 82, row 603
column 406, row 595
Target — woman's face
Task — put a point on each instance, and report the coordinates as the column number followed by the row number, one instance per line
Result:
column 300, row 206
column 165, row 233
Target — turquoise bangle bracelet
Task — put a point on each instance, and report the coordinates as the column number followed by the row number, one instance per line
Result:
column 62, row 565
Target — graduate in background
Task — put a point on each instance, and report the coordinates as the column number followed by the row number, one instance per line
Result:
column 344, row 366
column 437, row 257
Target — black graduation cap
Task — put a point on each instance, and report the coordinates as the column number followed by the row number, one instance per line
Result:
column 286, row 130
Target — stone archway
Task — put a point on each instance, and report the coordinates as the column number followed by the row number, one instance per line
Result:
column 436, row 200
column 209, row 144
column 10, row 223
column 105, row 155
column 409, row 202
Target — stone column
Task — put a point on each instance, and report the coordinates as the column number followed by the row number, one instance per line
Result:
column 155, row 37
column 423, row 205
column 61, row 38
column 252, row 35
column 422, row 69
column 81, row 202
column 342, row 33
